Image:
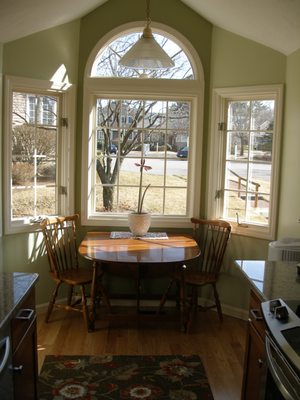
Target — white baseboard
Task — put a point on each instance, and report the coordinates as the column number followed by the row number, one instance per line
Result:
column 227, row 309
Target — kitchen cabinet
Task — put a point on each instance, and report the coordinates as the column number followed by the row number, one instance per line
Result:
column 24, row 349
column 255, row 363
column 18, row 328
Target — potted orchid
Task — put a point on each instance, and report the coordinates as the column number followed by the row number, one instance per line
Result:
column 139, row 221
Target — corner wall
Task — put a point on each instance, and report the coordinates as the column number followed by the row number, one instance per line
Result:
column 289, row 204
column 237, row 61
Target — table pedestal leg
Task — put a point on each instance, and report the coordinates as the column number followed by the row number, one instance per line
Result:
column 92, row 313
column 183, row 308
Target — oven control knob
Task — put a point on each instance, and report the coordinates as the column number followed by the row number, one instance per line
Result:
column 281, row 313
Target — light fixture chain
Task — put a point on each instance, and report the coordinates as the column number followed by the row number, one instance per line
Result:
column 148, row 19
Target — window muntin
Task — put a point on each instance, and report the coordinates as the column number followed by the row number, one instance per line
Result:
column 34, row 155
column 119, row 145
column 106, row 63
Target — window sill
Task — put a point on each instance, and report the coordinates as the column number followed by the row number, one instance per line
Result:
column 249, row 230
column 114, row 220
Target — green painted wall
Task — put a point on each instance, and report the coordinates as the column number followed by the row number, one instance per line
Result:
column 40, row 55
column 237, row 61
column 228, row 60
column 289, row 211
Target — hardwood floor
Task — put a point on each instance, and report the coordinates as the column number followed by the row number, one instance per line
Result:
column 220, row 346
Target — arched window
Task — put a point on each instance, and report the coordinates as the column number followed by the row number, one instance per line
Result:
column 158, row 119
column 106, row 63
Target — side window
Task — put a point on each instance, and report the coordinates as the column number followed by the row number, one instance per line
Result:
column 248, row 137
column 36, row 155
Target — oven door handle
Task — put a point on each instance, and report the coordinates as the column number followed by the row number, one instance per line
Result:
column 281, row 381
column 4, row 344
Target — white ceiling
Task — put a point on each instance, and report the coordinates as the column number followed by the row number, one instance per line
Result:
column 274, row 23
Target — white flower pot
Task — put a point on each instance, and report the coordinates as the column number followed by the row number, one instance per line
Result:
column 139, row 224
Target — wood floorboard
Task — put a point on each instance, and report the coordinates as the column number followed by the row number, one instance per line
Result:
column 220, row 346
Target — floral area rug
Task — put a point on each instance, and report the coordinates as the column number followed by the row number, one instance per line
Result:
column 123, row 377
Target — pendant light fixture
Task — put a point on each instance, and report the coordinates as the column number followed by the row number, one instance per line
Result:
column 146, row 53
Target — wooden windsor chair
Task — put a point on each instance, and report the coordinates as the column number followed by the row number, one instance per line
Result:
column 212, row 237
column 61, row 246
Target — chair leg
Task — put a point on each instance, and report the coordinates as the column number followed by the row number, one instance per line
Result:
column 84, row 307
column 52, row 302
column 70, row 295
column 218, row 304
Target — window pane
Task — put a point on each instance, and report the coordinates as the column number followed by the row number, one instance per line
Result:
column 22, row 202
column 153, row 201
column 177, row 172
column 262, row 115
column 261, row 146
column 235, row 205
column 22, row 171
column 179, row 115
column 46, row 201
column 175, row 203
column 46, row 172
column 258, row 209
column 259, row 177
column 238, row 115
column 236, row 175
column 237, row 145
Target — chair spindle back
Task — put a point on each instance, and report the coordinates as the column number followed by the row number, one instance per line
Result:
column 60, row 240
column 212, row 237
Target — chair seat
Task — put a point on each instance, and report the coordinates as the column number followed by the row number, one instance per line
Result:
column 79, row 276
column 199, row 278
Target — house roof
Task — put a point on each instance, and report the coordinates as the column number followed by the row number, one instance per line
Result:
column 274, row 23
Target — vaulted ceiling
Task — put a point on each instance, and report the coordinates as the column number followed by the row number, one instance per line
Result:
column 274, row 23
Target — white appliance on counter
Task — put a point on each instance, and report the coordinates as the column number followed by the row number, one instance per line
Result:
column 286, row 249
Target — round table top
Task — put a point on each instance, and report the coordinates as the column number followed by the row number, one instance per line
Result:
column 176, row 248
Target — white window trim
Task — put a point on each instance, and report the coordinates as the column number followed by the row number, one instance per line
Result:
column 216, row 146
column 189, row 90
column 67, row 167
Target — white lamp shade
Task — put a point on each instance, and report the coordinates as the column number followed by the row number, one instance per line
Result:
column 146, row 53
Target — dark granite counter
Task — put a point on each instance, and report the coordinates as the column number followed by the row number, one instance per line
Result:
column 272, row 279
column 13, row 288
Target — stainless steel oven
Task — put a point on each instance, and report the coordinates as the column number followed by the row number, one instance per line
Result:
column 282, row 347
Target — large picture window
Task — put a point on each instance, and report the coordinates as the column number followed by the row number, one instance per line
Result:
column 131, row 115
column 151, row 133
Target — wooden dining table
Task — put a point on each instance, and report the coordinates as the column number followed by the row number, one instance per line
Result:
column 136, row 257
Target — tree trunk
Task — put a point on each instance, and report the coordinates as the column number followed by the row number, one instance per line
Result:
column 108, row 197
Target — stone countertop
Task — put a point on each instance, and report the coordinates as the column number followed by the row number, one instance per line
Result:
column 272, row 279
column 13, row 288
